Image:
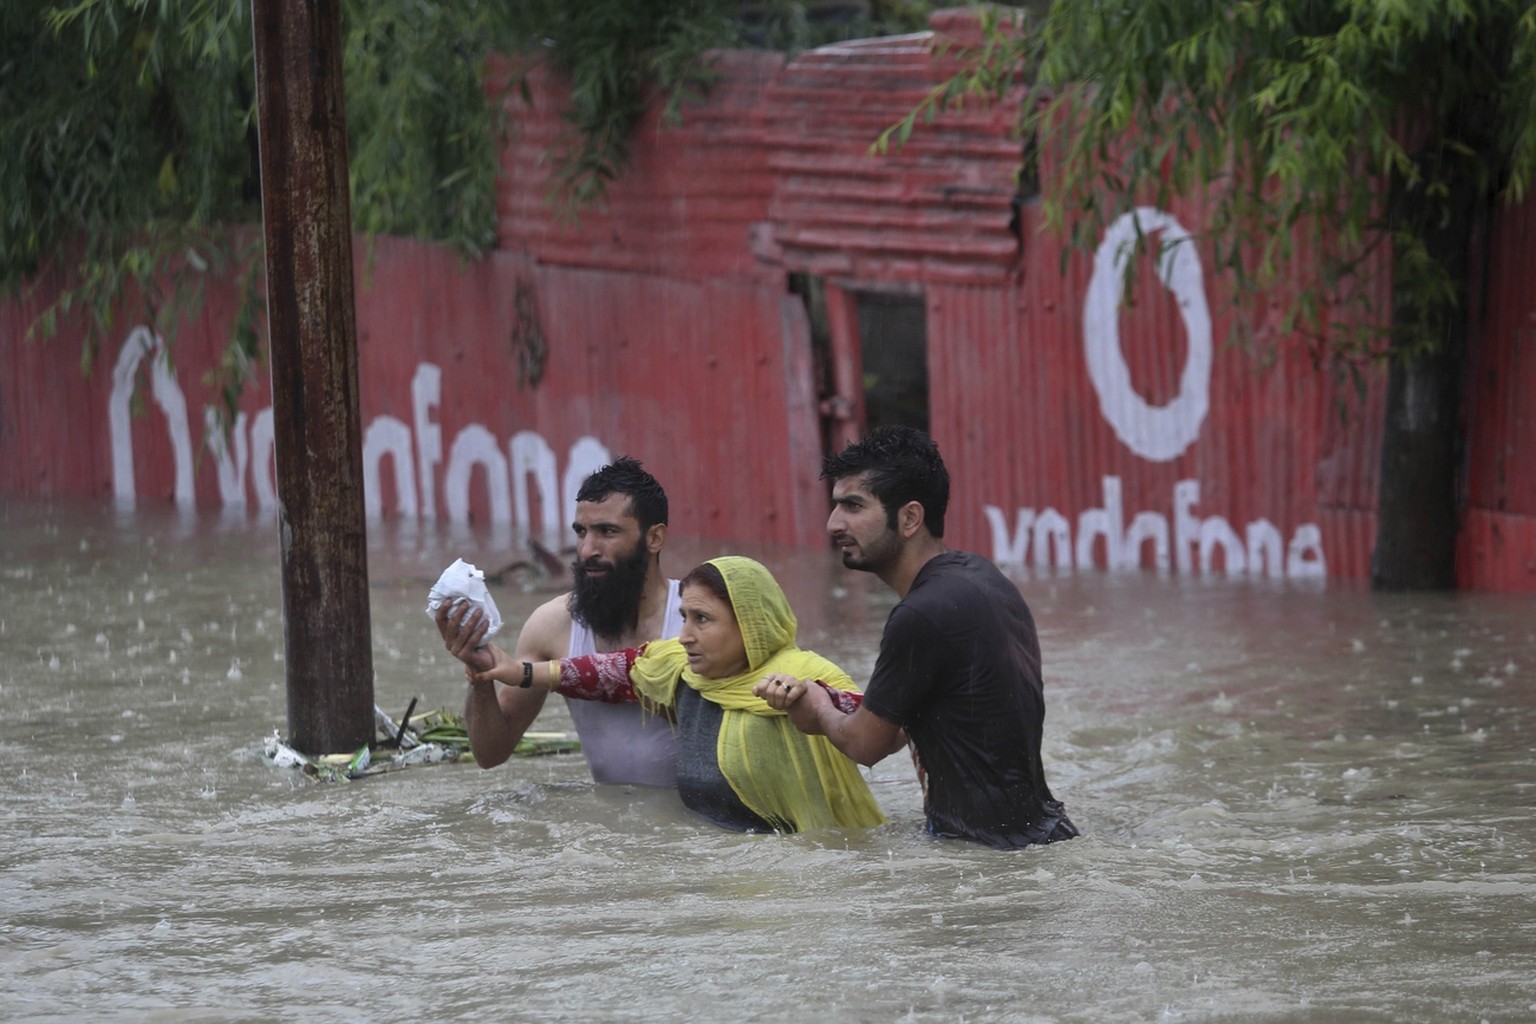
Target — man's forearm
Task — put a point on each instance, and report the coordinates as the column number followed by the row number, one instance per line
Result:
column 490, row 737
column 841, row 716
column 837, row 728
column 861, row 735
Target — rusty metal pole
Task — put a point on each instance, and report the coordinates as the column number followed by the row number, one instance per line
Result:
column 312, row 324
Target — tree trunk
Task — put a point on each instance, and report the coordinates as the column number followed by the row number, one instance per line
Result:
column 1423, row 438
column 1416, row 517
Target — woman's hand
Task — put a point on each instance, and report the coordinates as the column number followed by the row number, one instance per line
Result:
column 779, row 690
column 503, row 668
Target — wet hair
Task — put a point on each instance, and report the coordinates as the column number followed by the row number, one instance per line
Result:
column 708, row 577
column 625, row 475
column 899, row 464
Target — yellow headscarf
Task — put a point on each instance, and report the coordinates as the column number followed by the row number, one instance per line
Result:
column 782, row 775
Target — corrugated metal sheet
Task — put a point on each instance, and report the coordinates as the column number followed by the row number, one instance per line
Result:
column 934, row 209
column 688, row 202
column 1498, row 543
column 697, row 379
column 57, row 424
column 1036, row 446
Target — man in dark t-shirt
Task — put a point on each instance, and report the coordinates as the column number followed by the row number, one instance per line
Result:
column 959, row 662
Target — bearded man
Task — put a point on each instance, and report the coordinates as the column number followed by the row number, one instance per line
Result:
column 619, row 599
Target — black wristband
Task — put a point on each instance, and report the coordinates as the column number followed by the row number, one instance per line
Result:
column 527, row 675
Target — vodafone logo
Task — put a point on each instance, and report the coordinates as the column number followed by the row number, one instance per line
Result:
column 1156, row 433
column 1110, row 535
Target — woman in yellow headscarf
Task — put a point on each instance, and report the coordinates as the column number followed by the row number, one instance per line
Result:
column 741, row 764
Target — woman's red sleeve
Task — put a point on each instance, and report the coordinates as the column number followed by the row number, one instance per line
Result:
column 601, row 677
column 845, row 701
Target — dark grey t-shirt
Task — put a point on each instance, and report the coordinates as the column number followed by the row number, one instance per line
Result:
column 959, row 669
column 703, row 788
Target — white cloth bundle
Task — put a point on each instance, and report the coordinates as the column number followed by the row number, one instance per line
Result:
column 463, row 582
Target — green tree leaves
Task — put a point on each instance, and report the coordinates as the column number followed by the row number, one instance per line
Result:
column 1302, row 119
column 425, row 137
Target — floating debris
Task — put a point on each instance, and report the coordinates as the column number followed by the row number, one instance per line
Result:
column 434, row 737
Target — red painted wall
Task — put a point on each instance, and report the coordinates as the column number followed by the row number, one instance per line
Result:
column 1079, row 435
column 1498, row 541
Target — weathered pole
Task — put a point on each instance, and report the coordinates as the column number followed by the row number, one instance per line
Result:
column 301, row 121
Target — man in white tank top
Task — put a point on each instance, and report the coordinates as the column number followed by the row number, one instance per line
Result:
column 620, row 599
column 623, row 742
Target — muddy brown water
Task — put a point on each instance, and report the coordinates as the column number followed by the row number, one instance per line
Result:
column 1299, row 804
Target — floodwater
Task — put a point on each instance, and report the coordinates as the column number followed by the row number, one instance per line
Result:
column 1298, row 804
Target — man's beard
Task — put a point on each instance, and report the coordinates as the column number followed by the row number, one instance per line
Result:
column 609, row 604
column 881, row 553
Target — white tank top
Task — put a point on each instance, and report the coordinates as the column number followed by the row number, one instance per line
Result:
column 622, row 742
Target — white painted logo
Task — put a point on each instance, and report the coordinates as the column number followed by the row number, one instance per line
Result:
column 1156, row 433
column 522, row 479
column 1190, row 544
column 144, row 344
column 1183, row 541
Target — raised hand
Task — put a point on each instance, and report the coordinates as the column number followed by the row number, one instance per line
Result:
column 462, row 627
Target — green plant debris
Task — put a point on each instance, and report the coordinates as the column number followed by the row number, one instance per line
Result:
column 432, row 737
